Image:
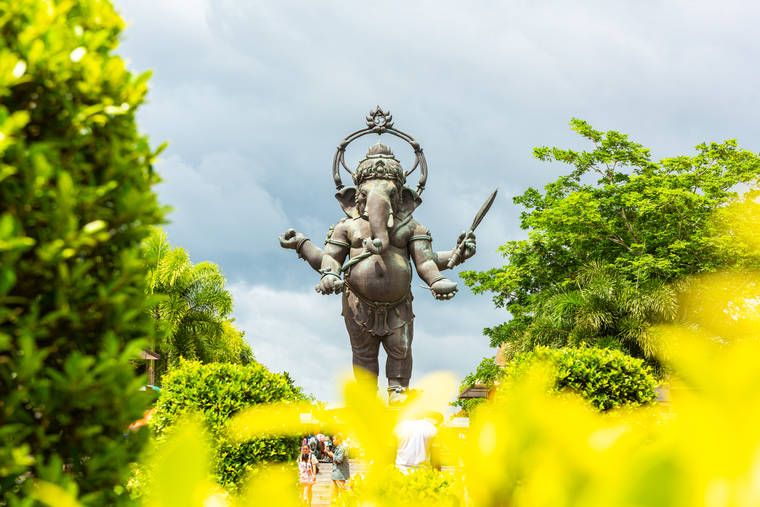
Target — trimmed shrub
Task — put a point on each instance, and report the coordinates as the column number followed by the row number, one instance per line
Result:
column 214, row 393
column 606, row 378
column 75, row 203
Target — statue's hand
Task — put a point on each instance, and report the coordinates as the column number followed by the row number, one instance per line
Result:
column 469, row 246
column 329, row 284
column 290, row 238
column 444, row 289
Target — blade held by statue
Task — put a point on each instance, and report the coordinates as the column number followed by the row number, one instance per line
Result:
column 478, row 218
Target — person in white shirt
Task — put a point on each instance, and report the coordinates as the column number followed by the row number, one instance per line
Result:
column 414, row 443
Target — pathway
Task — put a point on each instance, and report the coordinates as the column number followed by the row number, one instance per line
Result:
column 321, row 490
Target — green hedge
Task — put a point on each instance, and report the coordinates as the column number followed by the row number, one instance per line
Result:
column 215, row 392
column 75, row 203
column 606, row 378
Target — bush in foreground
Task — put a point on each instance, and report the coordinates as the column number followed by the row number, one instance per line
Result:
column 422, row 486
column 75, row 203
column 535, row 449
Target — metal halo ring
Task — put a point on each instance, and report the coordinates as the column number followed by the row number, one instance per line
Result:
column 379, row 122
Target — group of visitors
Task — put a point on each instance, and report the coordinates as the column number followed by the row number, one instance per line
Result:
column 318, row 445
column 414, row 449
column 326, row 450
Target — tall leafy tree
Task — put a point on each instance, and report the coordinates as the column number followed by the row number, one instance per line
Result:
column 600, row 255
column 191, row 307
column 75, row 204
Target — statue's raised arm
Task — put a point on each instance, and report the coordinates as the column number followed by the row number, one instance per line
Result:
column 303, row 246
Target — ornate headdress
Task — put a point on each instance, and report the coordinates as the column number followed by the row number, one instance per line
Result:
column 379, row 163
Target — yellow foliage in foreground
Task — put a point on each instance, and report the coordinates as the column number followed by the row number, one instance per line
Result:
column 531, row 449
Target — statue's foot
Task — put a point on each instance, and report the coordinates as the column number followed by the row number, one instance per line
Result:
column 397, row 395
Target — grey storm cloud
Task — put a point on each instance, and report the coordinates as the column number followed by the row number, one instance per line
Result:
column 255, row 95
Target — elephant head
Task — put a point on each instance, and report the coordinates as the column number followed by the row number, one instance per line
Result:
column 379, row 196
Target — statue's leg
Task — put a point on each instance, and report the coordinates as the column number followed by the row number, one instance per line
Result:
column 365, row 347
column 398, row 346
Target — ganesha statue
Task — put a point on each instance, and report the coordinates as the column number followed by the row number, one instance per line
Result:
column 368, row 255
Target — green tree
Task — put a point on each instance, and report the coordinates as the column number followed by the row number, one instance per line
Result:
column 641, row 226
column 191, row 308
column 604, row 309
column 231, row 346
column 75, row 204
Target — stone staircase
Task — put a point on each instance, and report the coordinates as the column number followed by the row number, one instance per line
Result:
column 321, row 490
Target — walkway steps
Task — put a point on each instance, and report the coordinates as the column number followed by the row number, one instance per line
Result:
column 321, row 490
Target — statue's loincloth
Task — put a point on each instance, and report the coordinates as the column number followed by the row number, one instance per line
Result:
column 380, row 318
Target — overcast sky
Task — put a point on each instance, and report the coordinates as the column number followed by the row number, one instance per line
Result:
column 254, row 96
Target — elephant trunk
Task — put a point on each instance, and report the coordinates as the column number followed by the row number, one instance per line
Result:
column 380, row 219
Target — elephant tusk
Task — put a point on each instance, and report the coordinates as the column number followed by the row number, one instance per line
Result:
column 390, row 220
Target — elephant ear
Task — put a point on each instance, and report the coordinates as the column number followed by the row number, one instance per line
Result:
column 347, row 199
column 409, row 201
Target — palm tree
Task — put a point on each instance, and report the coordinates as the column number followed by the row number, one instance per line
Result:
column 603, row 309
column 191, row 307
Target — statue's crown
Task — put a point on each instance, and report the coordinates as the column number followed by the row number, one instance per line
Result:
column 379, row 150
column 379, row 163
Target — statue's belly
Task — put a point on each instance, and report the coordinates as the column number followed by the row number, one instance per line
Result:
column 382, row 277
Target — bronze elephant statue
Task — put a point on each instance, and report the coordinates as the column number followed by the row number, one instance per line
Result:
column 373, row 247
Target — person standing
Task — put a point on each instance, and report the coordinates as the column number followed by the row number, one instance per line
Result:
column 414, row 440
column 307, row 475
column 328, row 448
column 315, row 446
column 322, row 455
column 341, row 471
